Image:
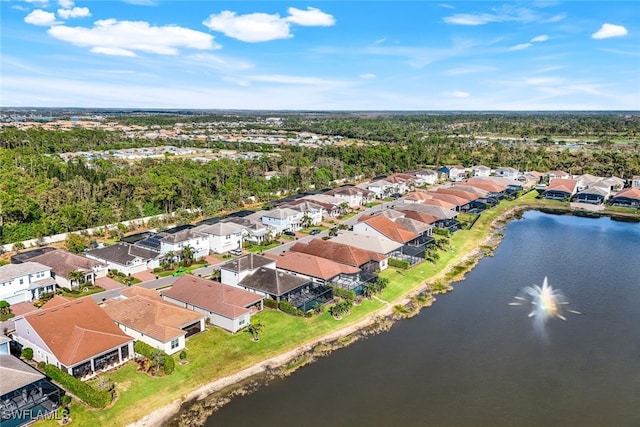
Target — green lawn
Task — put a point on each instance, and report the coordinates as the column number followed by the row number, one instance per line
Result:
column 308, row 230
column 261, row 248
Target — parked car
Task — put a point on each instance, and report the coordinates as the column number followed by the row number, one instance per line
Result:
column 315, row 231
column 289, row 233
column 235, row 252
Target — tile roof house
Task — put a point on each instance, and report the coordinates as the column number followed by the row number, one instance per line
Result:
column 344, row 254
column 223, row 236
column 126, row 258
column 453, row 172
column 281, row 219
column 425, row 176
column 481, row 170
column 558, row 174
column 378, row 244
column 380, row 225
column 25, row 393
column 312, row 213
column 635, row 182
column 417, row 197
column 232, row 272
column 331, row 204
column 77, row 336
column 145, row 316
column 254, row 230
column 629, row 197
column 561, row 189
column 317, row 268
column 227, row 307
column 63, row 262
column 507, row 172
column 456, row 201
column 25, row 282
column 593, row 195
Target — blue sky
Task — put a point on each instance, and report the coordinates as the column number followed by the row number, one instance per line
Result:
column 321, row 55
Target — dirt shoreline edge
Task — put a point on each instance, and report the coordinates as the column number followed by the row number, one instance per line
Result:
column 194, row 408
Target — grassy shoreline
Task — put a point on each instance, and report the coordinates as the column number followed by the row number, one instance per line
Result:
column 222, row 365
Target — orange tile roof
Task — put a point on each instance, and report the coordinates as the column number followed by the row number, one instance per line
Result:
column 228, row 301
column 76, row 330
column 338, row 252
column 631, row 193
column 440, row 202
column 561, row 184
column 486, row 184
column 151, row 316
column 450, row 198
column 467, row 195
column 313, row 266
column 390, row 229
column 419, row 196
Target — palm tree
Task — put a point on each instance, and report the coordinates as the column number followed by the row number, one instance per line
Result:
column 306, row 221
column 75, row 277
column 170, row 257
column 187, row 255
column 254, row 329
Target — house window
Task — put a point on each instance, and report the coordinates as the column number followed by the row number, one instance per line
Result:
column 175, row 343
column 21, row 281
column 241, row 322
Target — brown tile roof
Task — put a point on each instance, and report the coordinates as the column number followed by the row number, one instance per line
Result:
column 140, row 291
column 420, row 216
column 313, row 266
column 419, row 196
column 467, row 195
column 440, row 202
column 561, row 184
column 151, row 316
column 63, row 262
column 486, row 184
column 225, row 300
column 390, row 229
column 76, row 330
column 349, row 191
column 338, row 252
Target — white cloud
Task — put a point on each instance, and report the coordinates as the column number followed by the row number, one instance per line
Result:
column 113, row 51
column 252, row 28
column 608, row 31
column 41, row 17
column 114, row 37
column 367, row 76
column 540, row 38
column 446, row 6
column 76, row 12
column 311, row 17
column 263, row 27
column 520, row 46
column 66, row 4
column 457, row 94
column 218, row 63
column 508, row 13
column 41, row 2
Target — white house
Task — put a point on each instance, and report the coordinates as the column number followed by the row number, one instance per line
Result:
column 176, row 242
column 635, row 182
column 312, row 211
column 63, row 262
column 281, row 219
column 507, row 172
column 426, row 176
column 25, row 282
column 254, row 230
column 481, row 171
column 353, row 196
column 223, row 236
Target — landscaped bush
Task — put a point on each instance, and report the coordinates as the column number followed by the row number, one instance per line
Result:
column 288, row 308
column 167, row 362
column 89, row 395
column 345, row 294
column 27, row 353
column 270, row 303
column 441, row 231
column 398, row 263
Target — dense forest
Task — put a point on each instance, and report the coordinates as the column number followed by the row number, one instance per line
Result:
column 41, row 194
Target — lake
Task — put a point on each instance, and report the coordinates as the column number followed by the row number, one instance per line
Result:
column 474, row 360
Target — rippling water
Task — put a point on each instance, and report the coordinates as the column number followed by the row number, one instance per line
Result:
column 473, row 360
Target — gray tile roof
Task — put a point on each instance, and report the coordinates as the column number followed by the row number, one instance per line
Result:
column 11, row 271
column 247, row 262
column 273, row 282
column 123, row 253
column 15, row 374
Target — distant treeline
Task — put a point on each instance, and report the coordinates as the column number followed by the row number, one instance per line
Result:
column 40, row 194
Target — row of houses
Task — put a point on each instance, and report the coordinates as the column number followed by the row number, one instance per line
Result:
column 593, row 190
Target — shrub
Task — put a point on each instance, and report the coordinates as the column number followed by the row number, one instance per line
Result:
column 345, row 294
column 167, row 362
column 271, row 303
column 441, row 231
column 398, row 263
column 41, row 365
column 288, row 308
column 183, row 355
column 89, row 395
column 65, row 400
column 27, row 353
